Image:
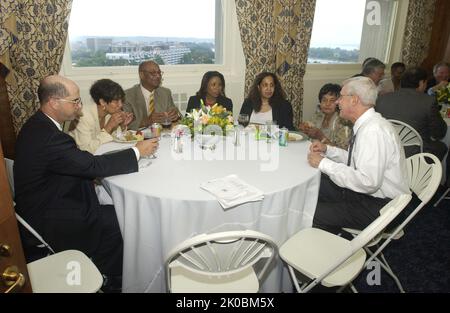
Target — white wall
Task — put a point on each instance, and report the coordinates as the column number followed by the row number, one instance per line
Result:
column 185, row 79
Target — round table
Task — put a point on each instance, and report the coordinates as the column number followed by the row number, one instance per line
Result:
column 163, row 204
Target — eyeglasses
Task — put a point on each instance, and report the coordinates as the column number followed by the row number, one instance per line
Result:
column 74, row 101
column 154, row 73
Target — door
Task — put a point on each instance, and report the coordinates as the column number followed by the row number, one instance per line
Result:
column 13, row 268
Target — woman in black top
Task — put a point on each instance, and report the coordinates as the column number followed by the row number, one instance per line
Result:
column 212, row 91
column 266, row 94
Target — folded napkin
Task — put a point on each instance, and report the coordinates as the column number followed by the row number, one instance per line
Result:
column 231, row 191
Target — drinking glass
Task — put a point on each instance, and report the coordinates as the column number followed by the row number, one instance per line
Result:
column 243, row 119
column 166, row 124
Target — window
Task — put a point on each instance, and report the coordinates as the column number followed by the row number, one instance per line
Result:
column 117, row 33
column 350, row 31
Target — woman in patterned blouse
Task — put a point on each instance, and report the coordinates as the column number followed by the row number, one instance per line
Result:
column 326, row 125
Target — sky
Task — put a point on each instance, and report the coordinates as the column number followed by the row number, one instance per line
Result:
column 143, row 18
column 336, row 23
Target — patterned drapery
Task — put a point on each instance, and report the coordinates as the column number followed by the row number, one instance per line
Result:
column 275, row 36
column 416, row 40
column 31, row 51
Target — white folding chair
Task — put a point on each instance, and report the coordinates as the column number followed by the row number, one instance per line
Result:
column 220, row 262
column 443, row 197
column 65, row 271
column 408, row 135
column 424, row 179
column 322, row 257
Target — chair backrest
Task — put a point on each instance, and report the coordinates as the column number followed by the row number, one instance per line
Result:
column 387, row 215
column 9, row 172
column 424, row 177
column 408, row 135
column 222, row 254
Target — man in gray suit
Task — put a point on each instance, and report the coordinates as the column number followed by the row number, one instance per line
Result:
column 410, row 105
column 149, row 102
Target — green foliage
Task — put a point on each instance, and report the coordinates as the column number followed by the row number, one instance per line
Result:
column 336, row 54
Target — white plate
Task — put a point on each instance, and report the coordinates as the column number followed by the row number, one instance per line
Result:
column 117, row 139
column 295, row 137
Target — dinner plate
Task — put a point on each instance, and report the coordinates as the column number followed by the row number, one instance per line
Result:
column 117, row 139
column 296, row 137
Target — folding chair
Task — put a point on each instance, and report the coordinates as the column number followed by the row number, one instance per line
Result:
column 65, row 271
column 443, row 197
column 321, row 257
column 408, row 135
column 220, row 262
column 424, row 179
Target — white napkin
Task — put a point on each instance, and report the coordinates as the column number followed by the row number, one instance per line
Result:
column 231, row 191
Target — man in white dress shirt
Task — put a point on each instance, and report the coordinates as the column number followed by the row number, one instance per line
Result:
column 359, row 182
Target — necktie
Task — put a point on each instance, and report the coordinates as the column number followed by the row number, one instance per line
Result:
column 350, row 148
column 151, row 104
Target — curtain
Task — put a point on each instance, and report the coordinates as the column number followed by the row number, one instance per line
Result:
column 32, row 40
column 416, row 40
column 275, row 36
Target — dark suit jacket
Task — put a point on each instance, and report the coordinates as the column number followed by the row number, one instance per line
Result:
column 54, row 186
column 416, row 109
column 281, row 112
column 194, row 103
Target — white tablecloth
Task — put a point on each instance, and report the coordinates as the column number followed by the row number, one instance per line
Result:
column 162, row 205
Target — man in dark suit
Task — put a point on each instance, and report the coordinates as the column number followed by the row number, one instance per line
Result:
column 149, row 101
column 410, row 105
column 54, row 181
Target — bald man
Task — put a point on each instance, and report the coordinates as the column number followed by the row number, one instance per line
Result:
column 138, row 98
column 54, row 181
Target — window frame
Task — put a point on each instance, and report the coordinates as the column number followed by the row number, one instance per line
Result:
column 393, row 48
column 224, row 37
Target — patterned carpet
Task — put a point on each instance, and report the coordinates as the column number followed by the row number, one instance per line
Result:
column 421, row 258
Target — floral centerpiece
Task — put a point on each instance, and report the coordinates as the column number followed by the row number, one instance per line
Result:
column 199, row 119
column 443, row 94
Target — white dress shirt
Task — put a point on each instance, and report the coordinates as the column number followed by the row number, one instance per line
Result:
column 378, row 165
column 147, row 95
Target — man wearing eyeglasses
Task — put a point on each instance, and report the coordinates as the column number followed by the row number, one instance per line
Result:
column 149, row 101
column 356, row 183
column 54, row 185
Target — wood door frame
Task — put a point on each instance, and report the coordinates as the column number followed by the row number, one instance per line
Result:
column 7, row 133
column 9, row 231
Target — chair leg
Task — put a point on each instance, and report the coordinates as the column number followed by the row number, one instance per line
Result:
column 294, row 279
column 442, row 197
column 384, row 264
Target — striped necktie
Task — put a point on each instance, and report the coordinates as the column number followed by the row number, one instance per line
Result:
column 350, row 148
column 151, row 104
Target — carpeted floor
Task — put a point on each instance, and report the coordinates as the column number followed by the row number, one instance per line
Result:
column 421, row 258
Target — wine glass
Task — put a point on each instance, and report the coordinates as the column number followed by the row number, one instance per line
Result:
column 243, row 119
column 166, row 124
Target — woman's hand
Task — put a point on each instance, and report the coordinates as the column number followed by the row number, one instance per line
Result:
column 128, row 118
column 115, row 120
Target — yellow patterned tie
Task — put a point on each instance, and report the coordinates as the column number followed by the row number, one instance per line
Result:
column 151, row 104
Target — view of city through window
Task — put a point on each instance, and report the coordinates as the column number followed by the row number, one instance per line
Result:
column 142, row 30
